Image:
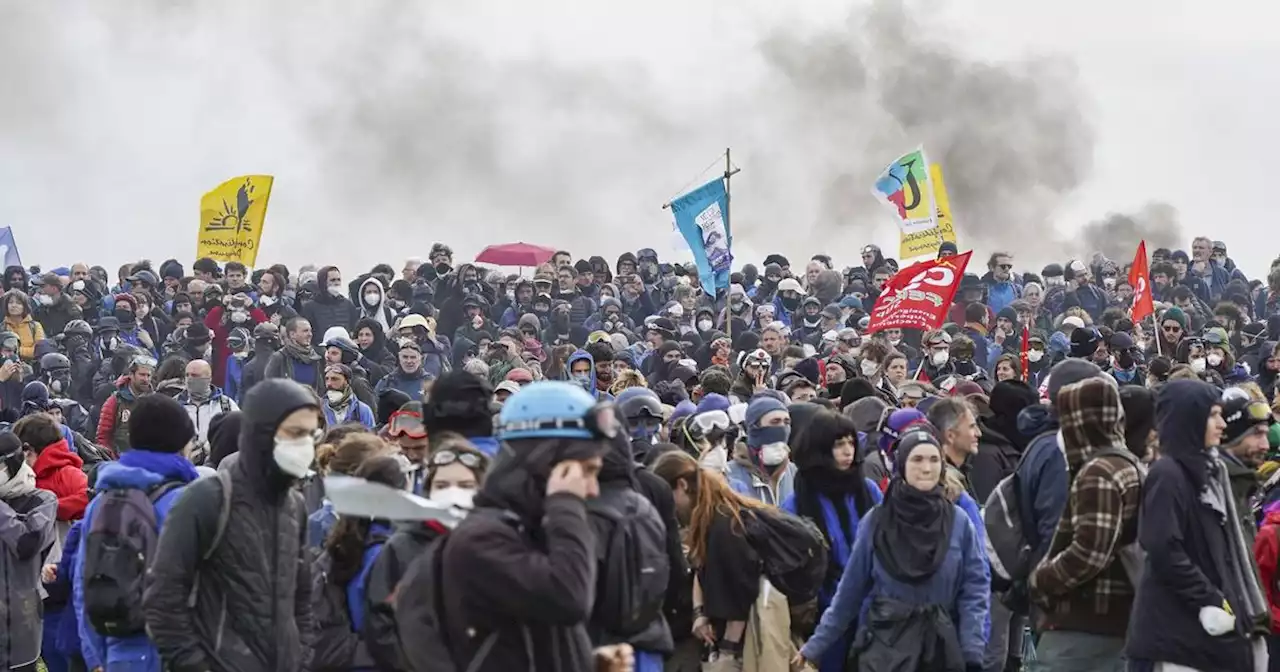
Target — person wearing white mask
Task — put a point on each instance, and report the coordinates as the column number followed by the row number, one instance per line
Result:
column 340, row 403
column 235, row 544
column 373, row 304
column 937, row 351
column 764, row 470
column 454, row 474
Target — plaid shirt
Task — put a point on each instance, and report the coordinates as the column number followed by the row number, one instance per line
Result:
column 1079, row 583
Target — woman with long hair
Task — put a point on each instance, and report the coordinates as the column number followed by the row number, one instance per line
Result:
column 831, row 491
column 916, row 577
column 338, row 456
column 351, row 549
column 727, row 573
column 454, row 473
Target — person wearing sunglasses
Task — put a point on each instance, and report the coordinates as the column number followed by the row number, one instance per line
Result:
column 1172, row 329
column 1003, row 287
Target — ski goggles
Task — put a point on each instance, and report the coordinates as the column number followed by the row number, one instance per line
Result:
column 407, row 423
column 708, row 421
column 442, row 458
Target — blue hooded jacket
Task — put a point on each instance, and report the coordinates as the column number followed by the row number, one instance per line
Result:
column 590, row 384
column 137, row 652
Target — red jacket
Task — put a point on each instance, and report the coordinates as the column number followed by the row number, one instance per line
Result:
column 1266, row 551
column 221, row 330
column 60, row 471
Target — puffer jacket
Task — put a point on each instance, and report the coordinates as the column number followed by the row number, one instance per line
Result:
column 26, row 531
column 252, row 611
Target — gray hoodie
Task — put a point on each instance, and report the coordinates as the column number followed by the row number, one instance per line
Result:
column 26, row 532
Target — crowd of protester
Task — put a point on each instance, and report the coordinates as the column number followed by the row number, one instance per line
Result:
column 648, row 475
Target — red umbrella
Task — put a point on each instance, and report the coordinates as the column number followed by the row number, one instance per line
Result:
column 515, row 254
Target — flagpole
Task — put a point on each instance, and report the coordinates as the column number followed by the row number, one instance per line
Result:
column 728, row 173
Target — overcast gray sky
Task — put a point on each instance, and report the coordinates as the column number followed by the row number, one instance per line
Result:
column 568, row 123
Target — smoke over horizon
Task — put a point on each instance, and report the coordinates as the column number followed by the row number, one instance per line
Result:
column 385, row 121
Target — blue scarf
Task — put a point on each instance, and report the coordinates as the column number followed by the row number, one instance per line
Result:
column 841, row 548
column 170, row 466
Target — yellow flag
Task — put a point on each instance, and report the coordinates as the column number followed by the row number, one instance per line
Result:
column 926, row 242
column 232, row 217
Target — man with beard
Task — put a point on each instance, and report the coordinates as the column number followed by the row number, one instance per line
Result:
column 331, row 307
column 113, row 423
column 298, row 360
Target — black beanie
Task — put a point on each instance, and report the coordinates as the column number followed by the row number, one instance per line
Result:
column 459, row 402
column 159, row 423
column 855, row 389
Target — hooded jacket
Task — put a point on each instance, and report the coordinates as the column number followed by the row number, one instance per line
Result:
column 380, row 313
column 326, row 310
column 589, row 385
column 26, row 532
column 1080, row 583
column 529, row 572
column 1186, row 544
column 58, row 470
column 134, row 653
column 252, row 596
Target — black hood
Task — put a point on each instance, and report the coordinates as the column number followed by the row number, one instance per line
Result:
column 1182, row 411
column 265, row 406
column 619, row 462
column 322, row 286
column 517, row 481
column 379, row 346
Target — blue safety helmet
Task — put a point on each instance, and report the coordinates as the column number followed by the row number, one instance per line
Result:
column 555, row 410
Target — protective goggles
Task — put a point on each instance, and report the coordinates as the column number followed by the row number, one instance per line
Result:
column 143, row 361
column 407, row 423
column 710, row 420
column 441, row 458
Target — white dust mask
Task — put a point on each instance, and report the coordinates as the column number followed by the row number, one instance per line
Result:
column 940, row 357
column 715, row 459
column 1214, row 359
column 373, row 298
column 454, row 496
column 773, row 454
column 868, row 367
column 1198, row 364
column 1034, row 356
column 294, row 456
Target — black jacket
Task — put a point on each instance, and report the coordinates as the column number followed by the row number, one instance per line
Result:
column 409, row 542
column 327, row 311
column 996, row 458
column 252, row 608
column 54, row 318
column 1186, row 546
column 255, row 367
column 496, row 576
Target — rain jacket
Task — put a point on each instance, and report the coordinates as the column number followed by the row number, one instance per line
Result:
column 59, row 470
column 252, row 609
column 26, row 532
column 1187, row 545
column 961, row 586
column 118, row 653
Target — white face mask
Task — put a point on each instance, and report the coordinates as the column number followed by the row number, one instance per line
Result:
column 1214, row 359
column 895, row 341
column 454, row 496
column 294, row 456
column 716, row 459
column 869, row 368
column 1035, row 355
column 704, row 325
column 773, row 454
column 268, row 300
column 940, row 357
column 1051, row 282
column 1197, row 364
column 239, row 316
column 373, row 298
column 240, row 355
column 44, row 299
column 334, row 396
column 1109, row 283
column 335, row 290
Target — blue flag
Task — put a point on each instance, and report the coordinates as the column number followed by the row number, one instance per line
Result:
column 9, row 248
column 702, row 218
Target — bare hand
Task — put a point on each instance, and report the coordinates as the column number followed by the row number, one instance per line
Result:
column 8, row 370
column 616, row 658
column 567, row 477
column 798, row 662
column 703, row 631
column 48, row 573
column 999, row 335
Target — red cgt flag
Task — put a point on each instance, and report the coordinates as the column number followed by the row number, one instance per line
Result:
column 1140, row 281
column 919, row 296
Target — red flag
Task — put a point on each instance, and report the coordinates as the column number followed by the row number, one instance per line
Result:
column 1024, row 357
column 1140, row 280
column 919, row 296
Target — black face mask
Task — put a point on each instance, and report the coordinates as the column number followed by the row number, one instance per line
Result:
column 124, row 316
column 790, row 304
column 1124, row 360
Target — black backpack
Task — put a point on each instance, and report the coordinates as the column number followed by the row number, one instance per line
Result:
column 792, row 550
column 419, row 607
column 634, row 569
column 337, row 645
column 119, row 545
column 1008, row 539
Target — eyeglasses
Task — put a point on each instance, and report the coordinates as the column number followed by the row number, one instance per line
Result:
column 442, row 458
column 1004, row 267
column 407, row 423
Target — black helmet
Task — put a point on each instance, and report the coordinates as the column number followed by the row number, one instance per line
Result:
column 640, row 402
column 54, row 361
column 266, row 331
column 1052, row 271
column 78, row 328
column 238, row 339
